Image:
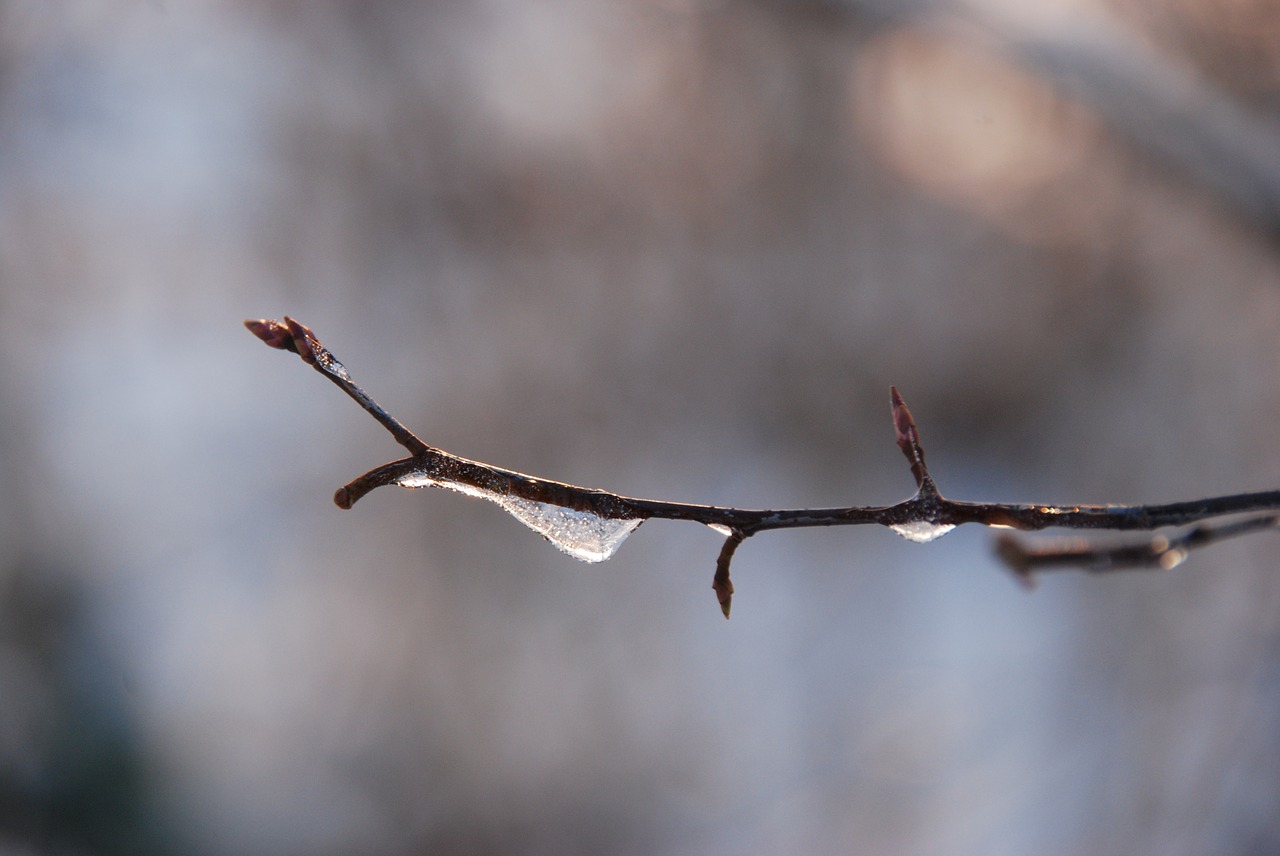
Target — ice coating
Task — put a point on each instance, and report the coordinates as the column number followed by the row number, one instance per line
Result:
column 922, row 531
column 581, row 534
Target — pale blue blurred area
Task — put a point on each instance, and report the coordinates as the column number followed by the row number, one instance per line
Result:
column 672, row 249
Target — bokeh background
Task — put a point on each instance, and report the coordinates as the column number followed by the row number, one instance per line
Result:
column 677, row 249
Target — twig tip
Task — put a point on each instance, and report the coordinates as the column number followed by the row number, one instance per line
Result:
column 908, row 437
column 1016, row 558
column 726, row 602
column 286, row 335
column 273, row 333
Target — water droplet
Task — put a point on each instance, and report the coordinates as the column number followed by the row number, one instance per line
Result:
column 922, row 531
column 581, row 534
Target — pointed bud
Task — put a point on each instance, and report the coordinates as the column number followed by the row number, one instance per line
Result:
column 904, row 428
column 724, row 594
column 273, row 333
column 304, row 341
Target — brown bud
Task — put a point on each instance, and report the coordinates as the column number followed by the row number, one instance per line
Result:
column 273, row 333
column 304, row 341
column 904, row 428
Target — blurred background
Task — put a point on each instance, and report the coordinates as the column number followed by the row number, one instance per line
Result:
column 677, row 249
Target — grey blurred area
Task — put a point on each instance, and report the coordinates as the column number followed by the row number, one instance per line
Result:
column 677, row 249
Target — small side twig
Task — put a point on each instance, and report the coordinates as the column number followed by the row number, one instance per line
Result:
column 292, row 336
column 554, row 508
column 721, row 583
column 908, row 437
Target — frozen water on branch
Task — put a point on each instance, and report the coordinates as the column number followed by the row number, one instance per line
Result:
column 581, row 534
column 922, row 531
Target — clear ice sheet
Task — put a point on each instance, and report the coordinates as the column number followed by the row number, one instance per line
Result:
column 581, row 534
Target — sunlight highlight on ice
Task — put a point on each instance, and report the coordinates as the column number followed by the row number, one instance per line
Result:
column 922, row 531
column 581, row 534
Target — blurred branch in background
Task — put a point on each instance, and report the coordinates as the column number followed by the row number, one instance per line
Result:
column 1163, row 105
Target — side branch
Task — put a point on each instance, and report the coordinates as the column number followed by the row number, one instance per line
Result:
column 589, row 523
column 292, row 336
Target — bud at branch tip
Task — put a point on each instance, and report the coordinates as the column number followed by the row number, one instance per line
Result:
column 908, row 437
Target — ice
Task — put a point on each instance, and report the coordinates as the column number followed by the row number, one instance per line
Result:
column 336, row 368
column 922, row 531
column 723, row 530
column 581, row 534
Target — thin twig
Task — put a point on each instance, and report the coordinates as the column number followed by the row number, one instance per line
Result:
column 1160, row 552
column 924, row 516
column 292, row 336
column 721, row 583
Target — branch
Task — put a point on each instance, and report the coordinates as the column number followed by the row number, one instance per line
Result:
column 1160, row 552
column 590, row 524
